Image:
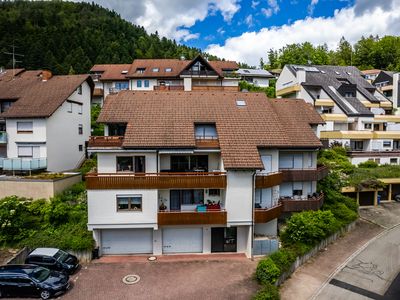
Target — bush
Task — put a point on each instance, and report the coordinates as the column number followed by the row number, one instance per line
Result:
column 268, row 292
column 267, row 271
column 283, row 259
column 369, row 164
column 309, row 227
column 335, row 159
column 342, row 213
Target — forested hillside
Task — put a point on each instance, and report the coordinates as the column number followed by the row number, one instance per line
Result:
column 367, row 53
column 68, row 37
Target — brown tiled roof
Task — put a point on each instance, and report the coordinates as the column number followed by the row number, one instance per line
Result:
column 111, row 72
column 166, row 120
column 9, row 73
column 220, row 66
column 372, row 71
column 177, row 66
column 37, row 98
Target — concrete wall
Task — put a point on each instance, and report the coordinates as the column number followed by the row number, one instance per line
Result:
column 35, row 188
column 63, row 138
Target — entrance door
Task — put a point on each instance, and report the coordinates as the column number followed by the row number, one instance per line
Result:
column 224, row 239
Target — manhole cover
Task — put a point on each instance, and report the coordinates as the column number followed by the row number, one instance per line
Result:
column 131, row 279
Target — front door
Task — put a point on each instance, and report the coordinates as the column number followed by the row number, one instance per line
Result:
column 224, row 239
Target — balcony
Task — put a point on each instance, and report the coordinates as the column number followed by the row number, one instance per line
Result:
column 268, row 180
column 215, row 88
column 23, row 164
column 187, row 180
column 192, row 217
column 3, row 137
column 106, row 141
column 294, row 204
column 290, row 175
column 168, row 87
column 264, row 215
column 210, row 142
column 382, row 153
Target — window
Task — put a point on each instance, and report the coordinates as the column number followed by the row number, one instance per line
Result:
column 146, row 83
column 131, row 164
column 80, row 129
column 69, row 107
column 80, row 109
column 349, row 94
column 393, row 161
column 122, row 85
column 29, row 151
column 139, row 83
column 80, row 148
column 214, row 192
column 396, row 145
column 240, row 103
column 182, row 163
column 140, row 70
column 358, row 145
column 129, row 202
column 24, row 127
column 156, row 69
column 4, row 106
column 168, row 70
column 367, row 126
column 186, row 197
column 205, row 131
column 80, row 90
column 327, row 110
column 387, row 144
column 290, row 161
column 376, row 127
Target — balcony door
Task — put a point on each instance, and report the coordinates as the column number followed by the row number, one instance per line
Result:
column 224, row 239
column 267, row 162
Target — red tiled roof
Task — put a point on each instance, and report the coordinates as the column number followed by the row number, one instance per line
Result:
column 166, row 120
column 37, row 98
column 111, row 72
column 372, row 71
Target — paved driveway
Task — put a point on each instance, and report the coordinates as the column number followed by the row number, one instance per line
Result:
column 204, row 279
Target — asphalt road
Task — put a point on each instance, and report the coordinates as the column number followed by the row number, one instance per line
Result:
column 372, row 273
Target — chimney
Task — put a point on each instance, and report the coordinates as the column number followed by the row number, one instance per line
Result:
column 301, row 76
column 46, row 75
column 396, row 91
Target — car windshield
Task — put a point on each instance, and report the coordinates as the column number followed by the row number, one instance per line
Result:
column 61, row 256
column 40, row 274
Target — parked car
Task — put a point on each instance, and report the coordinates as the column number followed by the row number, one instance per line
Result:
column 53, row 259
column 397, row 198
column 31, row 281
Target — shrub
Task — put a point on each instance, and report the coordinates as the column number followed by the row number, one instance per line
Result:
column 342, row 213
column 283, row 259
column 268, row 292
column 309, row 227
column 369, row 164
column 267, row 271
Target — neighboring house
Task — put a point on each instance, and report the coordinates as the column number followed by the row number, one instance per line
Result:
column 388, row 83
column 257, row 77
column 191, row 172
column 370, row 75
column 357, row 115
column 185, row 75
column 108, row 79
column 44, row 120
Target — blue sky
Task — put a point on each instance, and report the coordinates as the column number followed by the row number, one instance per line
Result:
column 244, row 30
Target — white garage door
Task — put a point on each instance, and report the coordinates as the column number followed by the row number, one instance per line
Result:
column 127, row 241
column 182, row 240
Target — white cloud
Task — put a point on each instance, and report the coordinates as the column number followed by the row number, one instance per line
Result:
column 350, row 22
column 172, row 18
column 249, row 21
column 311, row 6
column 272, row 9
column 254, row 4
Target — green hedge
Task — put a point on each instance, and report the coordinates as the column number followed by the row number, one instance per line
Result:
column 268, row 292
column 267, row 271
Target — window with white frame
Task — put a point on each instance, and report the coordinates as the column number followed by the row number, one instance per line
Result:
column 146, row 83
column 129, row 202
column 393, row 161
column 139, row 83
column 367, row 126
column 25, row 127
column 80, row 90
column 29, row 151
column 80, row 129
column 80, row 109
column 387, row 144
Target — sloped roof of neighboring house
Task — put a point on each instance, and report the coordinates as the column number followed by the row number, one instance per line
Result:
column 370, row 72
column 327, row 77
column 167, row 120
column 111, row 72
column 176, row 67
column 255, row 73
column 9, row 73
column 34, row 97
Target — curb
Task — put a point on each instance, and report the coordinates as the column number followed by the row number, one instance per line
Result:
column 338, row 269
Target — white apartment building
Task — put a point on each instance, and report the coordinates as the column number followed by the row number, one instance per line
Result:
column 199, row 172
column 44, row 121
column 356, row 114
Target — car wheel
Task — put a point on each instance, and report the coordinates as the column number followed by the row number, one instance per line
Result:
column 45, row 295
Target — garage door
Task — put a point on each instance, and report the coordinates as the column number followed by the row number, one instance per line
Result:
column 182, row 240
column 127, row 241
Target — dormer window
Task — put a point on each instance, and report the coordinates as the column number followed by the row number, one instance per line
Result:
column 168, row 70
column 206, row 131
column 124, row 72
column 156, row 69
column 140, row 70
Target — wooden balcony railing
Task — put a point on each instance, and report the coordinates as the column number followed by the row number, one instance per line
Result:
column 292, row 205
column 188, row 180
column 192, row 217
column 304, row 174
column 215, row 88
column 207, row 142
column 268, row 180
column 168, row 87
column 105, row 141
column 267, row 214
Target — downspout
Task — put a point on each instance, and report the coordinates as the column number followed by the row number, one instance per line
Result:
column 253, row 198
